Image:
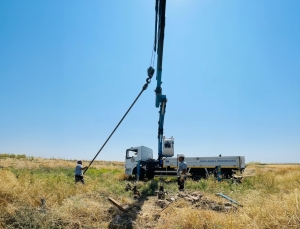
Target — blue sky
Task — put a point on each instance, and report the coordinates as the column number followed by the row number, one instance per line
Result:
column 70, row 69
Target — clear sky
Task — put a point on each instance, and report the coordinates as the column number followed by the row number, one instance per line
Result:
column 70, row 69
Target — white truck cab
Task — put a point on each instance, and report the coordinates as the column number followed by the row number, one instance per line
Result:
column 134, row 155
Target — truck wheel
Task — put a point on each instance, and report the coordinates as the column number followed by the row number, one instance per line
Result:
column 196, row 177
column 150, row 174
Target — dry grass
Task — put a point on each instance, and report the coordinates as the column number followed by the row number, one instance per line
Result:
column 270, row 195
column 31, row 162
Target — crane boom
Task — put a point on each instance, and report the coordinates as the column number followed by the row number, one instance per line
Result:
column 160, row 13
column 160, row 100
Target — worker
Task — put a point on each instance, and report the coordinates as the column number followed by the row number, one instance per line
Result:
column 79, row 172
column 181, row 172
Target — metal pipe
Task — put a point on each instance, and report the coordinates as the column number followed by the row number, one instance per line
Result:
column 228, row 198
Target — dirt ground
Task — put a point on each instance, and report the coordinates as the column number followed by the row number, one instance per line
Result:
column 147, row 212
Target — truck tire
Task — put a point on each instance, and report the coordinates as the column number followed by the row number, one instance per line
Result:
column 198, row 174
column 196, row 177
column 150, row 174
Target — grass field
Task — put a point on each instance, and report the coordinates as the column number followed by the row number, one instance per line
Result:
column 270, row 195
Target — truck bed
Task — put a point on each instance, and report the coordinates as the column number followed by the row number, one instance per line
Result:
column 206, row 162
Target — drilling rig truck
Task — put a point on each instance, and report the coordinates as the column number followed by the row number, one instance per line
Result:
column 139, row 160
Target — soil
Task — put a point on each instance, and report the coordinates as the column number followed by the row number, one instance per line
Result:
column 146, row 211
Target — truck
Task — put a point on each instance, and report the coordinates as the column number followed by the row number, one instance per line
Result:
column 141, row 158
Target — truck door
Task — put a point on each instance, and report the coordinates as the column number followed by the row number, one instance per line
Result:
column 131, row 160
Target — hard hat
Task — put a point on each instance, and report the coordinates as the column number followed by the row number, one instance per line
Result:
column 181, row 155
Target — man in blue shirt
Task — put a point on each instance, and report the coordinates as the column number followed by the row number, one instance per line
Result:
column 181, row 172
column 79, row 172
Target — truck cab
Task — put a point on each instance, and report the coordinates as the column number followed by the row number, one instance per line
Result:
column 134, row 155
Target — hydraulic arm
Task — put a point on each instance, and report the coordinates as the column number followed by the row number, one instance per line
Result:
column 160, row 100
